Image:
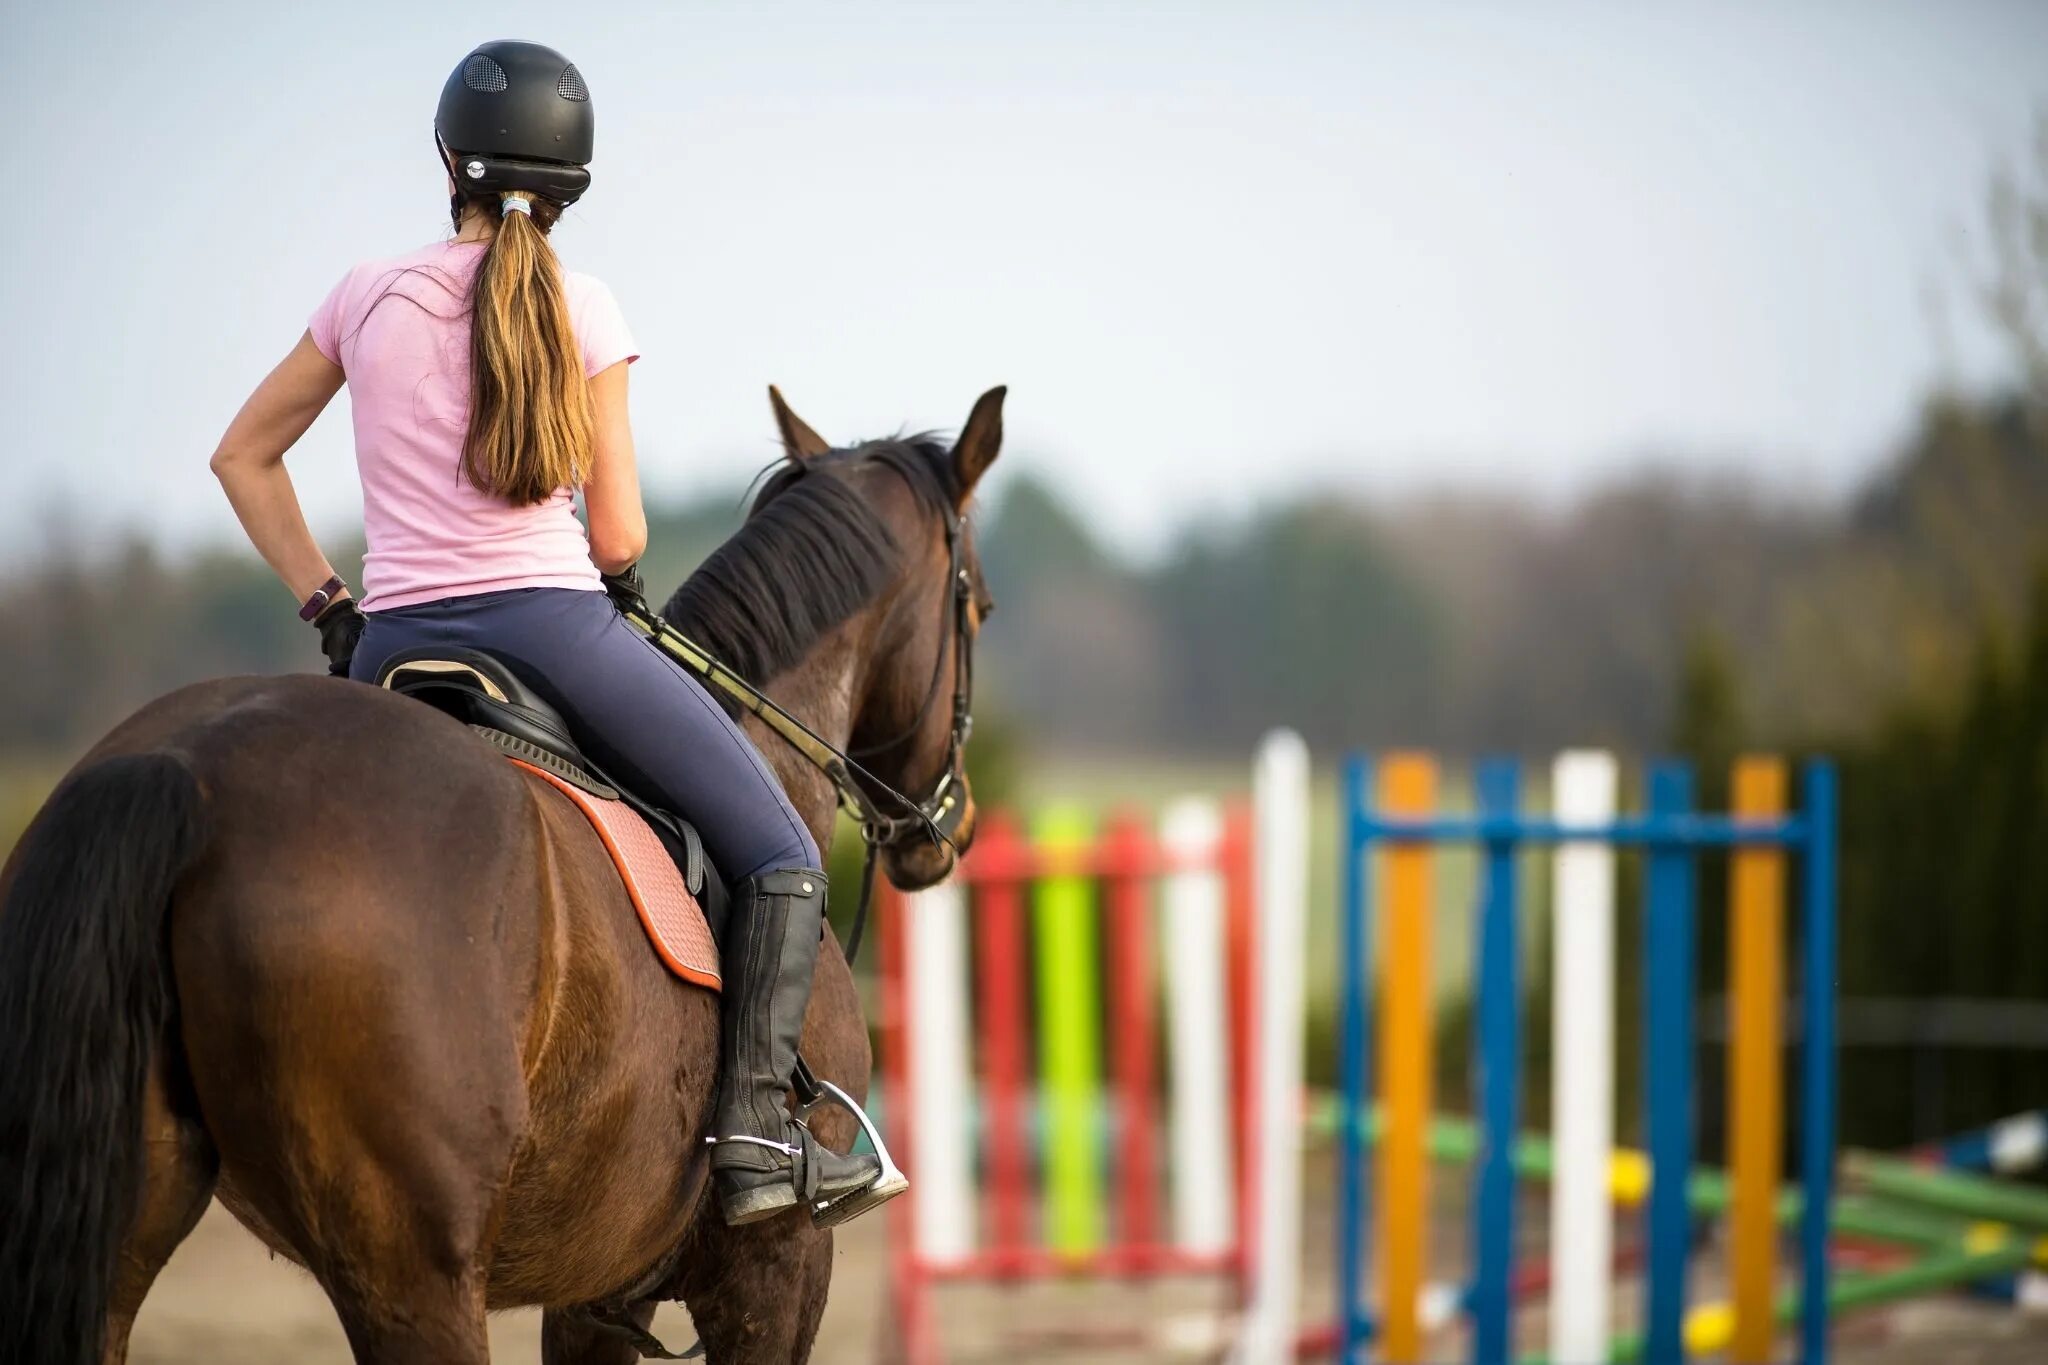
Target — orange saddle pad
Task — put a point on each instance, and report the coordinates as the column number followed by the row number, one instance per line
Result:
column 674, row 921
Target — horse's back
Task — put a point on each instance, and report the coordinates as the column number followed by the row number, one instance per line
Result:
column 410, row 984
column 364, row 854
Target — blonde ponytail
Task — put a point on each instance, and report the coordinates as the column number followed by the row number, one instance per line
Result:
column 529, row 402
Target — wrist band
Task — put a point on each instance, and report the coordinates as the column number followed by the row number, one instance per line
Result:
column 322, row 596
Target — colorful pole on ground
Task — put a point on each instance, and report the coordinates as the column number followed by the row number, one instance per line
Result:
column 1583, row 786
column 1241, row 989
column 1353, row 972
column 999, row 945
column 1133, row 1043
column 1069, row 1042
column 1709, row 1328
column 934, row 933
column 1817, row 1079
column 1407, row 788
column 1280, row 800
column 1497, row 1066
column 1958, row 1193
column 2009, row 1146
column 1756, row 987
column 1668, row 1064
column 1191, row 927
column 913, row 1315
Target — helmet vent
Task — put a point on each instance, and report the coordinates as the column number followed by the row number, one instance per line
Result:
column 482, row 74
column 571, row 86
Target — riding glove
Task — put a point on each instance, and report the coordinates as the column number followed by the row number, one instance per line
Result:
column 626, row 589
column 340, row 626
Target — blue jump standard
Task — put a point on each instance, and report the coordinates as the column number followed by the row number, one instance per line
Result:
column 1673, row 836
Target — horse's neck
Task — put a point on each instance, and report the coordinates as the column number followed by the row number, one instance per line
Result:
column 819, row 691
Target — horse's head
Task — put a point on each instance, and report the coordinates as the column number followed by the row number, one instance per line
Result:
column 913, row 640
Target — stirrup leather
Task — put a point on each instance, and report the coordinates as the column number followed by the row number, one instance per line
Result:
column 787, row 1149
column 802, row 1156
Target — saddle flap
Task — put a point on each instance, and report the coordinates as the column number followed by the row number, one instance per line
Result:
column 674, row 920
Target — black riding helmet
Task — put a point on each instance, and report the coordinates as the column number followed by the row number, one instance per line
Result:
column 516, row 116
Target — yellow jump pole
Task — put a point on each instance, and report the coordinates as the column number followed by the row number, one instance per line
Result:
column 1756, row 988
column 1407, row 787
column 1069, row 1037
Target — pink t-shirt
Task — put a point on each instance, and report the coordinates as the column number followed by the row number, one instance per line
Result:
column 399, row 329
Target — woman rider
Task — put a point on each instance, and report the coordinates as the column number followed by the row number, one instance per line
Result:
column 489, row 387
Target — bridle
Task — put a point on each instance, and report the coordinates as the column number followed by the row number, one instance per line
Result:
column 937, row 817
column 941, row 811
column 939, row 814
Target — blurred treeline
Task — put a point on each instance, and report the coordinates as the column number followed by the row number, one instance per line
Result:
column 1944, row 882
column 1468, row 622
column 1461, row 622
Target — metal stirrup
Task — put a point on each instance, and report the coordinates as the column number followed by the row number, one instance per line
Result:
column 890, row 1182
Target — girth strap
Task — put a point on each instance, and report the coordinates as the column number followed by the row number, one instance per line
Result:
column 610, row 1319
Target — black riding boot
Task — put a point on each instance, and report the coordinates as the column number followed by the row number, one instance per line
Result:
column 762, row 1160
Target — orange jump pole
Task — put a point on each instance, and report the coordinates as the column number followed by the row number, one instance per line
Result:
column 1756, row 989
column 1407, row 787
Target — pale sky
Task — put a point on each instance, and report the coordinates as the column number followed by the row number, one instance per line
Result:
column 1219, row 252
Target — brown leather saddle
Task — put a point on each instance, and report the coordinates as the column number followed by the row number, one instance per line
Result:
column 674, row 888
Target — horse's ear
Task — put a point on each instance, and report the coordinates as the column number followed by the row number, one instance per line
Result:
column 799, row 442
column 980, row 441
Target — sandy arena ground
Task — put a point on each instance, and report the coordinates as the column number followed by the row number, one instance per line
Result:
column 224, row 1301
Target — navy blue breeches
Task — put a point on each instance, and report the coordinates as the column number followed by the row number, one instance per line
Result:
column 634, row 711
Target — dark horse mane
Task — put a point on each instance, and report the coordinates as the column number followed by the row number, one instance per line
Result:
column 810, row 554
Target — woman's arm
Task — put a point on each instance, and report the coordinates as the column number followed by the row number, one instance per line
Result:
column 611, row 495
column 250, row 464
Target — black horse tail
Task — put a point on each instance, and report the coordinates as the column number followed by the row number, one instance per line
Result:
column 85, row 992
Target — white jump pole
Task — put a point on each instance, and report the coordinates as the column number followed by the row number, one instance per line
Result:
column 1197, row 1014
column 940, row 1099
column 1280, row 801
column 1582, row 1060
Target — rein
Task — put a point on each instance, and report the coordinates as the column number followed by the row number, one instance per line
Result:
column 938, row 816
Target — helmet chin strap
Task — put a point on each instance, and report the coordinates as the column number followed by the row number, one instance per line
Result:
column 454, row 190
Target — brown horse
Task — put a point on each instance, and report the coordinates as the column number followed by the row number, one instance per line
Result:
column 314, row 948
